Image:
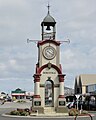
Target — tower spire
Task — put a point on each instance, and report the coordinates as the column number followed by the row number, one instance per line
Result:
column 48, row 8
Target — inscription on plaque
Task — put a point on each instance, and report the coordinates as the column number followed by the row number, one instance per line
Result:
column 61, row 103
column 37, row 103
column 49, row 72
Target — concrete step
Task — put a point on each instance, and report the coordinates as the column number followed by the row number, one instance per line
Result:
column 49, row 110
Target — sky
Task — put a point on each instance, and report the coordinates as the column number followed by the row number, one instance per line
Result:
column 21, row 19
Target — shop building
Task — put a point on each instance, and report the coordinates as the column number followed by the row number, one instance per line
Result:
column 18, row 94
column 85, row 84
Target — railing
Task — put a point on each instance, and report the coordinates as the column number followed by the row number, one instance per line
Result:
column 84, row 115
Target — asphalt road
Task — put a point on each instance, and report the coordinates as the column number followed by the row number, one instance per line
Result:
column 10, row 106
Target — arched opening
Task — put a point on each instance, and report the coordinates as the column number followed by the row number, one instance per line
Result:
column 49, row 93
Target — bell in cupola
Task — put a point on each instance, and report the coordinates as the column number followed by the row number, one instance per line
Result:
column 48, row 27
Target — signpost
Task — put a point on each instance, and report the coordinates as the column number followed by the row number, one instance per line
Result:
column 77, row 96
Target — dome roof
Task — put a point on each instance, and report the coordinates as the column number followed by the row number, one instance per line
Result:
column 49, row 19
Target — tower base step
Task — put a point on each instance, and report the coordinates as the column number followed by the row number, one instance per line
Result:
column 50, row 110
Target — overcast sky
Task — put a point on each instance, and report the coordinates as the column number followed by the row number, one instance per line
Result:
column 21, row 19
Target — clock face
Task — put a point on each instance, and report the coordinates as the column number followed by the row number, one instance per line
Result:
column 49, row 52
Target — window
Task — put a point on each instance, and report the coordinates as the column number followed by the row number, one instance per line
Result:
column 90, row 88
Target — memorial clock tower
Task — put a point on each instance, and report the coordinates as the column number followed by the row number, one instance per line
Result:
column 49, row 79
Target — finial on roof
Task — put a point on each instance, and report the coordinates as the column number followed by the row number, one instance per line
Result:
column 48, row 8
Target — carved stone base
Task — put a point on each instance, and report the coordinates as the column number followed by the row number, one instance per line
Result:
column 61, row 109
column 38, row 109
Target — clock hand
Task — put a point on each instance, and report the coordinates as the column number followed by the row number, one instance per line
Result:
column 50, row 52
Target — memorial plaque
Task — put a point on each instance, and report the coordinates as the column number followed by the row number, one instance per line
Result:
column 61, row 103
column 37, row 103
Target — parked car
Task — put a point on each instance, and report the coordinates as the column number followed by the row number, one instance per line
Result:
column 70, row 105
column 92, row 105
column 8, row 99
column 74, row 104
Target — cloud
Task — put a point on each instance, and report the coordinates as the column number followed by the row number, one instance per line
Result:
column 21, row 19
column 17, row 62
column 75, row 62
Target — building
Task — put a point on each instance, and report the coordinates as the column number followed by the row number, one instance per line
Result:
column 18, row 94
column 85, row 83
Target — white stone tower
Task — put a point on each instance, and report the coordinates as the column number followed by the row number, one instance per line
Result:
column 48, row 79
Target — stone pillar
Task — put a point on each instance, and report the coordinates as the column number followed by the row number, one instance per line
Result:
column 61, row 94
column 36, row 85
column 61, row 80
column 36, row 102
column 37, row 88
column 61, row 107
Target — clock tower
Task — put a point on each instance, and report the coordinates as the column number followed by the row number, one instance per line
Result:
column 49, row 79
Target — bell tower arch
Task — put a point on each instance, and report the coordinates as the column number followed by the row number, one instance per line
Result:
column 49, row 93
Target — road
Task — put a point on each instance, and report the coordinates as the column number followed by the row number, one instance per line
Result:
column 10, row 106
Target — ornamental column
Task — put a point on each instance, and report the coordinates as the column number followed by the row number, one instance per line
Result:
column 36, row 85
column 61, row 80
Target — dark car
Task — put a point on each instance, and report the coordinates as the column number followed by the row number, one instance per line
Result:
column 8, row 99
column 92, row 105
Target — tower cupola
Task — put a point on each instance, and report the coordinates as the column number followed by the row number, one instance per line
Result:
column 48, row 27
